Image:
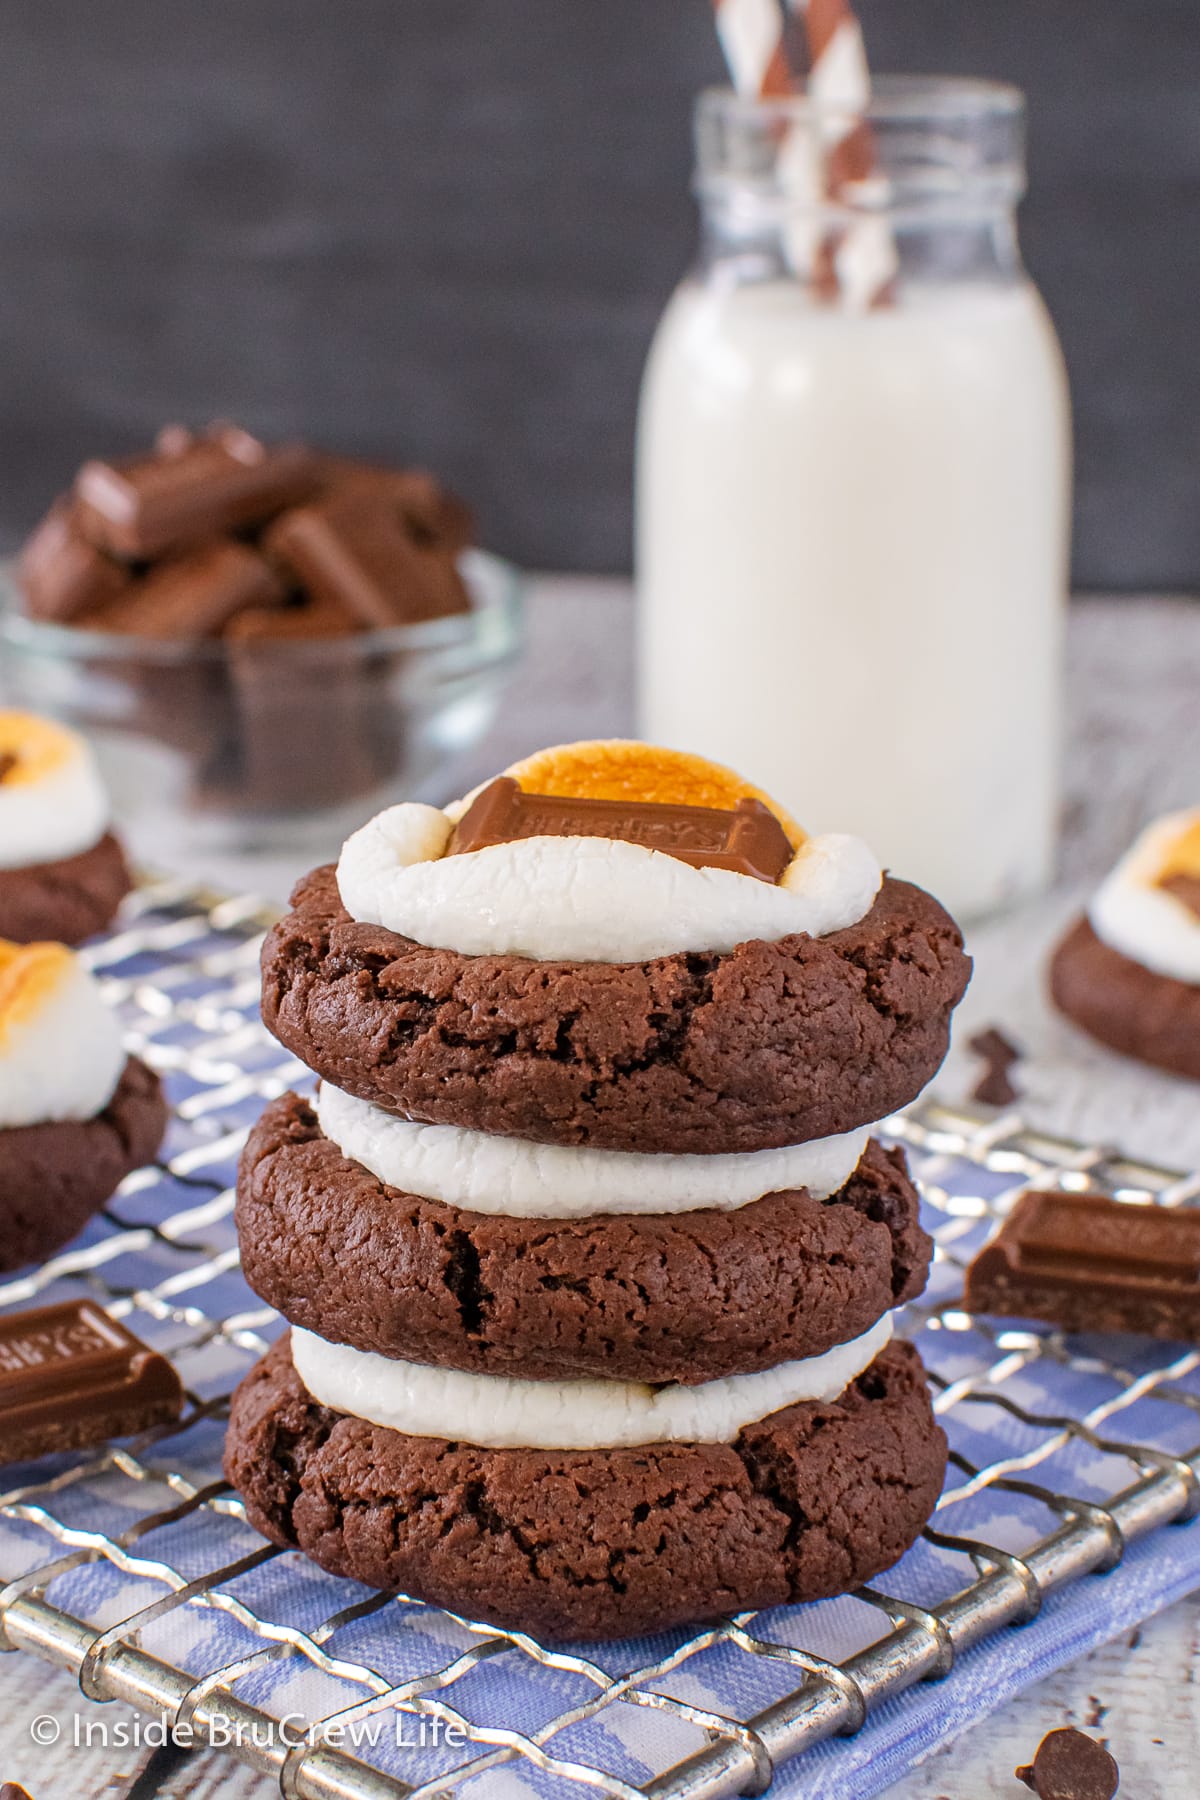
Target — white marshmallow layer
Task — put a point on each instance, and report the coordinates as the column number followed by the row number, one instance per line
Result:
column 587, row 899
column 52, row 801
column 503, row 1414
column 487, row 1174
column 1133, row 915
column 61, row 1054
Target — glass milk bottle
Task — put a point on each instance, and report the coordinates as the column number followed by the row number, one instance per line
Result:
column 853, row 513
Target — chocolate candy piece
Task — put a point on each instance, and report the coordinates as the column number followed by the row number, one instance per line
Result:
column 70, row 1376
column 1090, row 1264
column 318, row 723
column 289, row 624
column 194, row 595
column 1069, row 1765
column 995, row 1086
column 192, row 489
column 433, row 514
column 356, row 551
column 1185, row 888
column 61, row 574
column 749, row 840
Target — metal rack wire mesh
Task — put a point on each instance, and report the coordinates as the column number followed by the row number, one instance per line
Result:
column 135, row 1567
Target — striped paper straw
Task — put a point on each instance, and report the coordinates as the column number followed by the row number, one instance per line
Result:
column 752, row 37
column 858, row 263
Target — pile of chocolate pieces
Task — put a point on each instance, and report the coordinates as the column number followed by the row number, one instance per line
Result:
column 218, row 535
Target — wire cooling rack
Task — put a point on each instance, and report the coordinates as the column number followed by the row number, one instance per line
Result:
column 135, row 1567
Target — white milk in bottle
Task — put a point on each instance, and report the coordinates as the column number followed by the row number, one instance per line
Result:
column 853, row 521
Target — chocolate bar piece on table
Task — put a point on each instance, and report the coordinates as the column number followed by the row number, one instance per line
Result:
column 70, row 1377
column 1091, row 1264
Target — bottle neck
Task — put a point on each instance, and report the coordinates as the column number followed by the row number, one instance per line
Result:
column 931, row 196
column 746, row 243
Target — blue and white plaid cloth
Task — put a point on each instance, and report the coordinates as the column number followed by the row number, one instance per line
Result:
column 137, row 1526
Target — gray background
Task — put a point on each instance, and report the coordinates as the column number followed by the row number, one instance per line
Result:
column 444, row 229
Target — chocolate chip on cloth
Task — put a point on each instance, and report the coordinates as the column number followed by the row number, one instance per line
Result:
column 995, row 1086
column 1069, row 1765
column 687, row 1297
column 586, row 1545
column 765, row 1045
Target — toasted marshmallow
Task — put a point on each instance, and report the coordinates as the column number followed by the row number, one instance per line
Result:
column 503, row 1412
column 587, row 899
column 52, row 800
column 61, row 1055
column 1135, row 913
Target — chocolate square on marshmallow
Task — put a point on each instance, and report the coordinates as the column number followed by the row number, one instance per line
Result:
column 749, row 840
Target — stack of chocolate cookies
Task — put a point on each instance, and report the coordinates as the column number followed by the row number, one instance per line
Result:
column 588, row 1251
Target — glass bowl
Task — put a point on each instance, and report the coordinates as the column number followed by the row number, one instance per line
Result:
column 209, row 745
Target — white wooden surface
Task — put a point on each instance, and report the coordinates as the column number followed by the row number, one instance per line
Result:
column 1134, row 751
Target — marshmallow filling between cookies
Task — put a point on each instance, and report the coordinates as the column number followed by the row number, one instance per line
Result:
column 499, row 1412
column 496, row 1175
column 61, row 1055
column 488, row 1174
column 52, row 802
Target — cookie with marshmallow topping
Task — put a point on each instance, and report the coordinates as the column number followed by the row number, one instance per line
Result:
column 588, row 1252
column 76, row 1113
column 1128, row 972
column 597, row 990
column 63, row 873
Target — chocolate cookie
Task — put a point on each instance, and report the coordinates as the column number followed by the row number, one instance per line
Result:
column 54, row 1177
column 770, row 1044
column 603, row 1543
column 1125, row 1005
column 64, row 902
column 687, row 1297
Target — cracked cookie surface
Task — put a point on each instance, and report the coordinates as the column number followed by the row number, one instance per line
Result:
column 597, row 1544
column 54, row 1177
column 688, row 1297
column 767, row 1045
column 67, row 901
